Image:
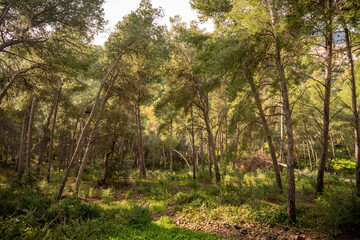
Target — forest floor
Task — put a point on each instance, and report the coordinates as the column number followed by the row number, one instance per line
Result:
column 244, row 206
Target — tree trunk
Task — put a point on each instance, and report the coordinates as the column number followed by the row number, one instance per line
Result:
column 29, row 134
column 171, row 148
column 92, row 133
column 45, row 137
column 354, row 106
column 193, row 143
column 62, row 186
column 140, row 143
column 209, row 158
column 266, row 130
column 333, row 152
column 202, row 151
column 22, row 149
column 289, row 128
column 206, row 109
column 326, row 111
column 282, row 132
column 52, row 132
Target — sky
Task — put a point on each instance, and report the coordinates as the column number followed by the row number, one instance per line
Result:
column 115, row 10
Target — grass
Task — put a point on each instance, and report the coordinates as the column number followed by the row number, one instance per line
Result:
column 27, row 211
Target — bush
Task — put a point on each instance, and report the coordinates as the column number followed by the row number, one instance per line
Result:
column 107, row 195
column 185, row 198
column 70, row 208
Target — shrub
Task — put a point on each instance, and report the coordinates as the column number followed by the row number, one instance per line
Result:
column 107, row 195
column 70, row 208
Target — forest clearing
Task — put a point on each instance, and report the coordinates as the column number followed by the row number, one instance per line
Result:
column 247, row 131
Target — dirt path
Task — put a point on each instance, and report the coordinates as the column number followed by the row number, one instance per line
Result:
column 248, row 231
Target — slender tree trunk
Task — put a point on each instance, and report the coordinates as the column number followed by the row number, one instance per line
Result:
column 282, row 132
column 193, row 143
column 171, row 149
column 289, row 128
column 333, row 152
column 22, row 149
column 92, row 133
column 308, row 151
column 354, row 106
column 164, row 156
column 209, row 151
column 140, row 143
column 266, row 130
column 45, row 137
column 29, row 134
column 326, row 111
column 62, row 186
column 52, row 133
column 226, row 125
column 107, row 156
column 206, row 109
column 202, row 151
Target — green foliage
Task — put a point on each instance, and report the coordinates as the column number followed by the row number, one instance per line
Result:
column 107, row 195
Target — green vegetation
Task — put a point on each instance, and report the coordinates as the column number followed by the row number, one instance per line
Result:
column 30, row 213
column 173, row 132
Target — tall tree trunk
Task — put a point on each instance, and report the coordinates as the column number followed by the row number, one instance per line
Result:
column 289, row 129
column 29, row 134
column 22, row 149
column 62, row 186
column 226, row 125
column 193, row 143
column 282, row 131
column 202, row 151
column 266, row 130
column 92, row 133
column 308, row 151
column 205, row 108
column 354, row 106
column 107, row 156
column 140, row 143
column 326, row 111
column 45, row 136
column 171, row 149
column 52, row 133
column 209, row 152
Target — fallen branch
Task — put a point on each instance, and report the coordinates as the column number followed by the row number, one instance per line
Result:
column 296, row 170
column 183, row 158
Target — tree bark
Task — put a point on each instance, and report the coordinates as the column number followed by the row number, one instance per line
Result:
column 171, row 148
column 354, row 106
column 45, row 137
column 29, row 134
column 282, row 132
column 289, row 128
column 52, row 133
column 62, row 186
column 326, row 111
column 92, row 133
column 193, row 143
column 140, row 143
column 22, row 149
column 206, row 109
column 266, row 130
